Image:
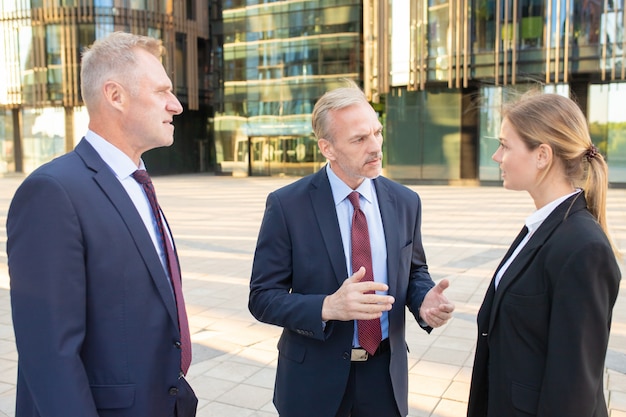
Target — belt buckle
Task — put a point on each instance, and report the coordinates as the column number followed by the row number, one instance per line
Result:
column 359, row 355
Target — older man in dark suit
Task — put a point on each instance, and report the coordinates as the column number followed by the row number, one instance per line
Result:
column 339, row 256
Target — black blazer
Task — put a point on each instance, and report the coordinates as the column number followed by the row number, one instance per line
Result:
column 299, row 260
column 543, row 334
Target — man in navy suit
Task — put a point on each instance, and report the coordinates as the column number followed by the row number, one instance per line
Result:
column 303, row 278
column 94, row 314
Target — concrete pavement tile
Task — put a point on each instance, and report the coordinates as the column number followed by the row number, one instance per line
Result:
column 264, row 378
column 6, row 387
column 446, row 356
column 233, row 371
column 253, row 355
column 462, row 325
column 435, row 369
column 209, row 388
column 7, row 403
column 617, row 400
column 452, row 342
column 450, row 408
column 457, row 391
column 616, row 381
column 9, row 375
column 248, row 396
column 431, row 386
column 217, row 409
column 422, row 405
column 464, row 375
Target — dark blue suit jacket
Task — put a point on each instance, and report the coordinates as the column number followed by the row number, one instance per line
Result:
column 299, row 260
column 94, row 316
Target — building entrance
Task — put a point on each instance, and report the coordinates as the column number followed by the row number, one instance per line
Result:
column 283, row 155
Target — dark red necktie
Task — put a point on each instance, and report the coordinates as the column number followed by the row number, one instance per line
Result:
column 369, row 331
column 142, row 177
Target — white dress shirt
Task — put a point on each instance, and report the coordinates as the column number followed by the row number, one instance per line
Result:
column 532, row 223
column 123, row 168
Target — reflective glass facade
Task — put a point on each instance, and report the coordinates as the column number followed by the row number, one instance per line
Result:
column 279, row 58
column 40, row 105
column 437, row 71
column 467, row 57
column 249, row 72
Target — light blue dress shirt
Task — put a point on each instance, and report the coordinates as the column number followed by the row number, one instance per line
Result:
column 123, row 168
column 369, row 205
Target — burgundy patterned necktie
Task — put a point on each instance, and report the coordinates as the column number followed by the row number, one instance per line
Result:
column 369, row 331
column 142, row 177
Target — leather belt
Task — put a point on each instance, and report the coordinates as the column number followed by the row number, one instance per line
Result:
column 361, row 355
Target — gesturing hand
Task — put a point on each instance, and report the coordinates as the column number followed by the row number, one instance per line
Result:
column 436, row 310
column 352, row 301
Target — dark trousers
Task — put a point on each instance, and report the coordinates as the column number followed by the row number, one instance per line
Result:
column 369, row 392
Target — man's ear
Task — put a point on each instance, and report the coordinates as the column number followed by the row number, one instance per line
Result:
column 544, row 156
column 326, row 148
column 114, row 94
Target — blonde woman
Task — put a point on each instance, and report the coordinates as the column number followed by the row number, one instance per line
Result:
column 543, row 327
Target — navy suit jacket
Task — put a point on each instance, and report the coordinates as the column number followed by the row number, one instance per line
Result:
column 94, row 316
column 299, row 260
column 543, row 334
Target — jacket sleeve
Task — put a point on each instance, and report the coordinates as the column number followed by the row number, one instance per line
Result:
column 48, row 297
column 272, row 299
column 420, row 281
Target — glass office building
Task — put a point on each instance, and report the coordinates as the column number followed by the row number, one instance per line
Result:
column 279, row 58
column 249, row 72
column 437, row 71
column 41, row 112
column 455, row 62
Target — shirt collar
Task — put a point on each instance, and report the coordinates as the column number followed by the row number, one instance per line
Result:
column 341, row 190
column 121, row 165
column 534, row 220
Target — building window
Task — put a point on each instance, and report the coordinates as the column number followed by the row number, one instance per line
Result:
column 180, row 62
column 484, row 25
column 607, row 123
column 54, row 62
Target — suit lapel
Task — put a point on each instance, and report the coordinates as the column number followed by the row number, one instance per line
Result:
column 321, row 198
column 528, row 253
column 112, row 188
column 488, row 303
column 388, row 208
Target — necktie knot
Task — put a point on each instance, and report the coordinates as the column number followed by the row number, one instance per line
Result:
column 354, row 199
column 141, row 176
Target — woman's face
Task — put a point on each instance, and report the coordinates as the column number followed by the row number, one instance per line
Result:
column 519, row 166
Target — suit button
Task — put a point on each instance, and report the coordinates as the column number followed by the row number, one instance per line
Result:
column 173, row 391
column 177, row 344
column 346, row 355
column 483, row 334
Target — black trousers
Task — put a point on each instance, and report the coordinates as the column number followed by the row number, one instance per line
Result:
column 369, row 392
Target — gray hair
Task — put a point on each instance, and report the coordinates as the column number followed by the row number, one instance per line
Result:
column 336, row 99
column 113, row 57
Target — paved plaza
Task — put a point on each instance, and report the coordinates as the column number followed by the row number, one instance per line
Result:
column 215, row 220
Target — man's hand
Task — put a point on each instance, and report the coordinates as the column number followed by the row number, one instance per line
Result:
column 436, row 310
column 356, row 300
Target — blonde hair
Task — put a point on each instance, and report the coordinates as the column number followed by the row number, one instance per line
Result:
column 113, row 57
column 558, row 122
column 336, row 99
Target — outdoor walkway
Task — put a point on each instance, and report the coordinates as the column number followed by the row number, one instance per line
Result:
column 215, row 221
